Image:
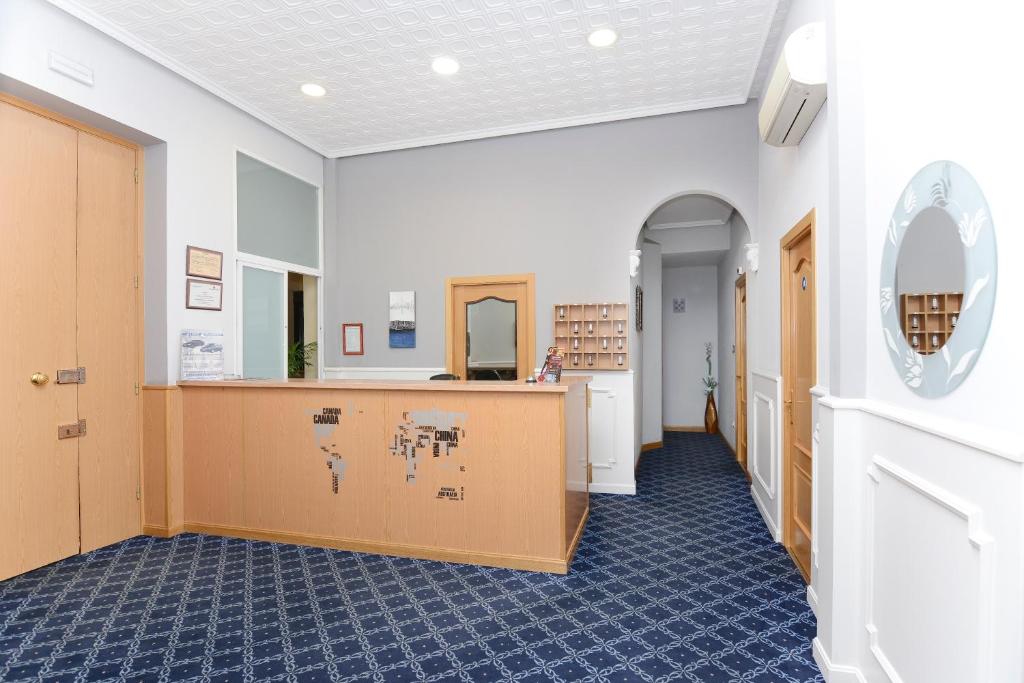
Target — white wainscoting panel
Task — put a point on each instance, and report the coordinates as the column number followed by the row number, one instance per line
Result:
column 765, row 456
column 923, row 548
column 924, row 544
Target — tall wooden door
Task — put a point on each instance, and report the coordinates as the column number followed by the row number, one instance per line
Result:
column 741, row 371
column 108, row 342
column 799, row 367
column 69, row 274
column 38, row 472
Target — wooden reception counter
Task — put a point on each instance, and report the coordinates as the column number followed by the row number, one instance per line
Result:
column 491, row 473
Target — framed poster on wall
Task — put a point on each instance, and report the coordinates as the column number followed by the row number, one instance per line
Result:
column 204, row 263
column 203, row 295
column 352, row 339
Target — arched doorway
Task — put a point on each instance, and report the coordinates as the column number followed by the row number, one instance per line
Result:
column 693, row 248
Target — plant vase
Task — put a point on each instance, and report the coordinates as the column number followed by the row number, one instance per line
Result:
column 711, row 415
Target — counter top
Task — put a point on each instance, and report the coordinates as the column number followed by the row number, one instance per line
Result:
column 397, row 385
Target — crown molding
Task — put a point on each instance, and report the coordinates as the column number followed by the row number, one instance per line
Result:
column 537, row 126
column 706, row 223
column 103, row 25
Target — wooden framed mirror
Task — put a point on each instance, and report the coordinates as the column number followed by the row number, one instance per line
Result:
column 490, row 327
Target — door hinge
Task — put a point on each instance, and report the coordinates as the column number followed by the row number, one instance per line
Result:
column 72, row 376
column 136, row 279
column 136, row 176
column 71, row 431
column 138, row 493
column 136, row 388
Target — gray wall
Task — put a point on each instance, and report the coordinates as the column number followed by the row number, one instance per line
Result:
column 684, row 337
column 650, row 342
column 564, row 204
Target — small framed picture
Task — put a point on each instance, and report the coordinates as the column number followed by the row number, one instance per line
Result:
column 352, row 339
column 204, row 263
column 203, row 295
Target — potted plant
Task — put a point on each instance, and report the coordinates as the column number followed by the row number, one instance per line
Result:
column 709, row 382
column 300, row 357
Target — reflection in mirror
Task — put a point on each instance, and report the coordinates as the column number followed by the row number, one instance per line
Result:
column 930, row 280
column 491, row 339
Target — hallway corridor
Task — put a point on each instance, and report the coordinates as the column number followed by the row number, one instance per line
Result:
column 681, row 582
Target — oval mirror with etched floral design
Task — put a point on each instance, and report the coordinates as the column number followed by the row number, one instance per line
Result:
column 938, row 279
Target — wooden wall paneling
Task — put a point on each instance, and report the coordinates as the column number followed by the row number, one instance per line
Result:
column 162, row 493
column 154, row 460
column 213, row 448
column 109, row 344
column 38, row 472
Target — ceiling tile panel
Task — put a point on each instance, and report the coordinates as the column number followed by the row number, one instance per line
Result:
column 526, row 65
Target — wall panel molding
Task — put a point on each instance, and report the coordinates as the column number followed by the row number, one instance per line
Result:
column 769, row 486
column 976, row 535
column 984, row 439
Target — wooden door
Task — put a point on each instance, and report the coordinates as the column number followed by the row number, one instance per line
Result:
column 38, row 472
column 108, row 342
column 463, row 291
column 741, row 371
column 799, row 361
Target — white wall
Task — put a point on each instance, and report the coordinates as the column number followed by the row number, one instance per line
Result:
column 739, row 236
column 200, row 131
column 919, row 554
column 791, row 182
column 565, row 204
column 651, row 340
column 684, row 336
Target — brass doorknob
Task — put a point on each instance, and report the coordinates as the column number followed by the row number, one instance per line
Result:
column 40, row 378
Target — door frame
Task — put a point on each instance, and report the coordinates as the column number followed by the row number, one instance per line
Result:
column 140, row 281
column 741, row 345
column 530, row 314
column 805, row 227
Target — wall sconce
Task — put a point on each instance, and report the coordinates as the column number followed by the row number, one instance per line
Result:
column 750, row 252
column 634, row 262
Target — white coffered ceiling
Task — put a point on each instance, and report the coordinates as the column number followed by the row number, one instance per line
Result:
column 526, row 64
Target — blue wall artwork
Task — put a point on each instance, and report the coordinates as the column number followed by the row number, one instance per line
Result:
column 402, row 320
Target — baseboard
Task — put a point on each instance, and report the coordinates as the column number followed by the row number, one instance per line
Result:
column 576, row 539
column 772, row 528
column 682, row 428
column 161, row 531
column 651, row 446
column 536, row 564
column 812, row 599
column 834, row 673
column 626, row 489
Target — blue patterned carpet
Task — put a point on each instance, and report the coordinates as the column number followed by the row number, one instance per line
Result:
column 680, row 583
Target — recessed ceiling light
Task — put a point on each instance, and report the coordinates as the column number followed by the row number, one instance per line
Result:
column 313, row 90
column 445, row 66
column 602, row 37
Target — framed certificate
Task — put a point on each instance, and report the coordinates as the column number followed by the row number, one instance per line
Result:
column 207, row 296
column 352, row 339
column 204, row 263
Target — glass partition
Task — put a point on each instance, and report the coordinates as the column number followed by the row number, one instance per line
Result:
column 263, row 323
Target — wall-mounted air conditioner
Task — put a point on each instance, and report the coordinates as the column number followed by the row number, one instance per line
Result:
column 797, row 88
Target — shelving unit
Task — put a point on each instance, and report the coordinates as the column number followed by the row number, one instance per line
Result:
column 593, row 336
column 928, row 320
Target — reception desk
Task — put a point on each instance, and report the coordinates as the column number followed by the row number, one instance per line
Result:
column 490, row 473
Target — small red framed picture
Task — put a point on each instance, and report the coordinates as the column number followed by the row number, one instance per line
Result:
column 352, row 339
